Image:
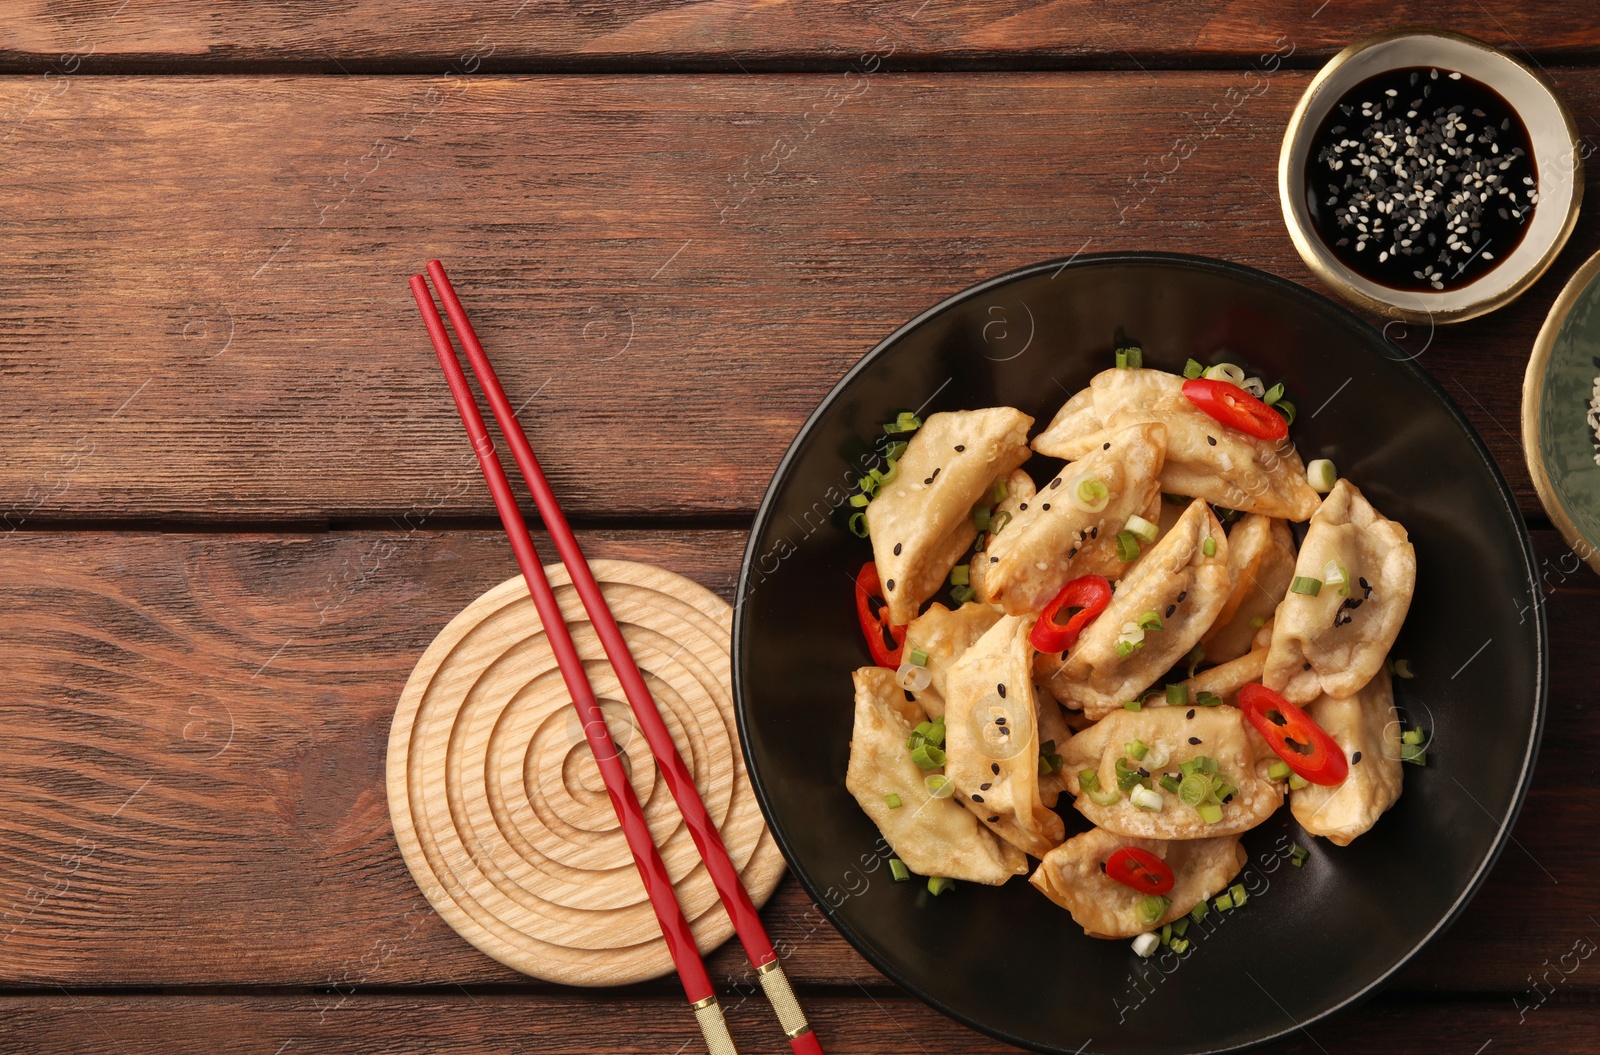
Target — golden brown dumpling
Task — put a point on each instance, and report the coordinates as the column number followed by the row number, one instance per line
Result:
column 1072, row 876
column 1020, row 490
column 921, row 522
column 1261, row 564
column 1173, row 735
column 1176, row 580
column 1368, row 729
column 992, row 737
column 1226, row 679
column 933, row 836
column 1055, row 538
column 944, row 635
column 1205, row 459
column 1332, row 643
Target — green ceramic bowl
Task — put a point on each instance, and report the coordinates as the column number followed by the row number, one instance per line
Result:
column 1557, row 395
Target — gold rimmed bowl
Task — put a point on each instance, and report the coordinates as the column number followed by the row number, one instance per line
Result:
column 1553, row 142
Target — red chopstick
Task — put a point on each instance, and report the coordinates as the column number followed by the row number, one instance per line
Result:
column 657, row 883
column 724, row 876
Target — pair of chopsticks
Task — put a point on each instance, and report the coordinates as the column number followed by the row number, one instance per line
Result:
column 724, row 876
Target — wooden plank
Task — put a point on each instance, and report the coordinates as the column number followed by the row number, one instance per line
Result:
column 192, row 748
column 66, row 1023
column 671, row 272
column 729, row 34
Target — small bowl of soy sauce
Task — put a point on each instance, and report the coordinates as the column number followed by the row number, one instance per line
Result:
column 1427, row 176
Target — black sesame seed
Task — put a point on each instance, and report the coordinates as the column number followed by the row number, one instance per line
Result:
column 897, row 547
column 1094, row 532
column 1106, row 447
column 1181, row 595
column 960, row 447
column 985, row 786
column 994, row 819
column 1102, row 866
column 1023, row 506
column 994, row 767
column 1211, row 440
column 1001, row 689
column 1194, row 741
column 929, row 480
column 1046, row 507
column 1143, row 772
column 1190, row 714
column 977, row 798
column 889, row 584
column 994, row 560
column 1170, row 609
column 1356, row 757
column 1004, row 731
column 1305, row 666
column 1055, row 483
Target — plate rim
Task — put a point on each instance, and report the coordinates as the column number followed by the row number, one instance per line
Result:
column 1533, row 406
column 1313, row 300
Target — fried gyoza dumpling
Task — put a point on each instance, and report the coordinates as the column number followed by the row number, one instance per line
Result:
column 1172, row 736
column 1174, row 579
column 1056, row 538
column 1205, row 458
column 1368, row 729
column 992, row 737
column 921, row 523
column 1072, row 875
column 1226, row 679
column 1333, row 643
column 1020, row 490
column 1261, row 563
column 944, row 634
column 933, row 836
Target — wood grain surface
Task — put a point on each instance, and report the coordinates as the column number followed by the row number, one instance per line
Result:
column 737, row 35
column 669, row 271
column 195, row 730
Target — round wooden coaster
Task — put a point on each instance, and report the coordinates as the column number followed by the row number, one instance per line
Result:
column 498, row 805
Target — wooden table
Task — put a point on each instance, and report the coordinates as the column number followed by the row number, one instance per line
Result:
column 239, row 504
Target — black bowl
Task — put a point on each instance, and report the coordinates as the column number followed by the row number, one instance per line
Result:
column 1311, row 939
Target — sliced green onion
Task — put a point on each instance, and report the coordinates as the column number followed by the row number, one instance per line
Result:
column 1127, row 546
column 887, row 476
column 1136, row 750
column 1298, row 855
column 892, row 801
column 960, row 575
column 1130, row 358
column 858, row 525
column 1207, row 699
column 905, row 422
column 999, row 491
column 1126, row 777
column 898, row 869
column 1180, row 927
column 1416, row 754
column 939, row 884
column 1273, row 394
column 1169, row 783
column 1192, row 369
column 927, row 756
column 1145, row 798
column 1237, row 893
column 1210, row 812
column 1180, row 945
column 1413, row 736
column 1088, row 492
column 1200, row 911
column 999, row 520
column 1226, row 372
column 860, row 501
column 1150, row 908
column 1286, row 408
column 868, row 484
column 1145, row 945
column 1150, row 620
column 896, row 450
column 1128, row 648
column 1402, row 669
column 1223, row 903
column 1089, row 783
column 1177, row 695
column 1296, row 782
column 1166, row 934
column 1206, row 764
column 1257, row 622
column 917, row 657
column 1321, row 475
column 1196, row 656
column 1255, row 386
column 938, row 786
column 1305, row 584
column 962, row 594
column 1133, row 705
column 981, row 516
column 1279, row 770
column 1193, row 789
column 1209, row 546
column 1223, row 791
column 1142, row 529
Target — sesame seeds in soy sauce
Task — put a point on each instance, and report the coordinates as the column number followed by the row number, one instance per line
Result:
column 1421, row 179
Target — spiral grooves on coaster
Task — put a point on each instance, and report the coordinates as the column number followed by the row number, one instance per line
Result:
column 498, row 805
